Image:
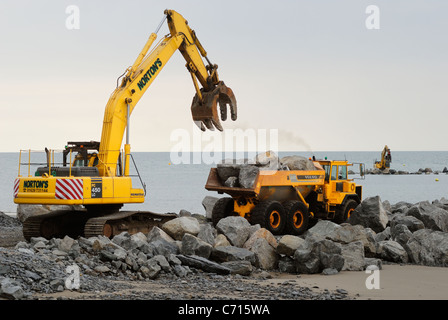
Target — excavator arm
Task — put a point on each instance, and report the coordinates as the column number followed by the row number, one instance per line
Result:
column 139, row 77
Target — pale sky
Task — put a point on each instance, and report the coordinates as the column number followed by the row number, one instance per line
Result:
column 310, row 69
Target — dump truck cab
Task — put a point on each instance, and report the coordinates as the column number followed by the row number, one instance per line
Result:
column 337, row 190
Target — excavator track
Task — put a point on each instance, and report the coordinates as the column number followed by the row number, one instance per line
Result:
column 55, row 224
column 130, row 221
column 58, row 224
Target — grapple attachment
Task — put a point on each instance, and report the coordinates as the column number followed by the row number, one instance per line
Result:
column 205, row 111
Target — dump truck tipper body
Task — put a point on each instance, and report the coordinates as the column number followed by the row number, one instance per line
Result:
column 283, row 201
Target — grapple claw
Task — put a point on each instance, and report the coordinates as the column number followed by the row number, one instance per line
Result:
column 205, row 112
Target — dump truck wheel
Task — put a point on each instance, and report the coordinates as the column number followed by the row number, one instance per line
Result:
column 269, row 215
column 345, row 212
column 297, row 217
column 222, row 208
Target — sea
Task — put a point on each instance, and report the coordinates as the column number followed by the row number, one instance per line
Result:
column 172, row 186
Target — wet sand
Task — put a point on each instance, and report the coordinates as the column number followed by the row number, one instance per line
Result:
column 397, row 282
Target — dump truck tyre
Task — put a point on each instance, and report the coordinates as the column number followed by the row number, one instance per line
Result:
column 347, row 209
column 222, row 208
column 269, row 215
column 297, row 217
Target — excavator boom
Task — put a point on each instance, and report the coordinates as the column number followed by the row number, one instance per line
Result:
column 99, row 182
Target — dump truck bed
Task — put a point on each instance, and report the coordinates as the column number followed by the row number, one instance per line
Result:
column 304, row 180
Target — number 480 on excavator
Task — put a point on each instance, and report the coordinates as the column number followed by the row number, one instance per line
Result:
column 98, row 178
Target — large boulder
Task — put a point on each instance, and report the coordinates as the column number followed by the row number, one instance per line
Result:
column 268, row 159
column 235, row 228
column 297, row 163
column 208, row 203
column 348, row 233
column 288, row 244
column 390, row 250
column 265, row 255
column 232, row 253
column 370, row 214
column 411, row 222
column 203, row 264
column 316, row 254
column 192, row 245
column 400, row 233
column 354, row 258
column 428, row 247
column 322, row 228
column 432, row 216
column 261, row 233
column 247, row 175
column 178, row 227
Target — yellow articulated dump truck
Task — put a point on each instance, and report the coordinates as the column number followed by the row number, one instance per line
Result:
column 284, row 201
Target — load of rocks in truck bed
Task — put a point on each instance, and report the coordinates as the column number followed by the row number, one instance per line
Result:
column 242, row 173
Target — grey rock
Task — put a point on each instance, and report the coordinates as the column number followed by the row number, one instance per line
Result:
column 288, row 244
column 208, row 203
column 156, row 233
column 180, row 271
column 232, row 253
column 330, row 271
column 151, row 270
column 11, row 289
column 432, row 216
column 203, row 264
column 261, row 233
column 163, row 247
column 353, row 254
column 101, row 269
column 350, row 233
column 235, row 228
column 286, row 264
column 207, row 233
column 247, row 176
column 184, row 213
column 162, row 262
column 178, row 227
column 411, row 222
column 370, row 214
column 384, row 235
column 232, row 182
column 428, row 247
column 243, row 268
column 373, row 262
column 192, row 245
column 317, row 254
column 322, row 228
column 297, row 163
column 265, row 254
column 221, row 241
column 227, row 170
column 400, row 233
column 392, row 251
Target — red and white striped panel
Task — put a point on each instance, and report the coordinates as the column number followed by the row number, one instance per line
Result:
column 69, row 189
column 16, row 187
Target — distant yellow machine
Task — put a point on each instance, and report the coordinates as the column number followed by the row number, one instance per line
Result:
column 386, row 159
column 284, row 201
column 98, row 177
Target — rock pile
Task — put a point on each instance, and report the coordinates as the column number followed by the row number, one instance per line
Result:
column 242, row 172
column 375, row 233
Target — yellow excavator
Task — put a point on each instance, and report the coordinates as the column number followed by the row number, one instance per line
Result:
column 99, row 177
column 386, row 159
